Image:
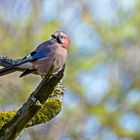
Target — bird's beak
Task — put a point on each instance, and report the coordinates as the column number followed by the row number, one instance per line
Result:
column 53, row 36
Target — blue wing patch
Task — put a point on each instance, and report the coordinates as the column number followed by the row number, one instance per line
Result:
column 40, row 54
column 33, row 56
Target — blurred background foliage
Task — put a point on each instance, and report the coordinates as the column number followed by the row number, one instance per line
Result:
column 102, row 77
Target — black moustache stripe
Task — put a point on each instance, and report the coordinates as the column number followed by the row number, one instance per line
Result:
column 58, row 40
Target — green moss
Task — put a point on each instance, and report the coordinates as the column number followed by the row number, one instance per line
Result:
column 51, row 108
column 6, row 116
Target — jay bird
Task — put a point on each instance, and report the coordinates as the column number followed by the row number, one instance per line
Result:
column 39, row 61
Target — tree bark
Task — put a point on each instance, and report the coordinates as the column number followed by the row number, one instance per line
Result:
column 35, row 107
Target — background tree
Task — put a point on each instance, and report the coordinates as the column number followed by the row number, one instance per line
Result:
column 102, row 75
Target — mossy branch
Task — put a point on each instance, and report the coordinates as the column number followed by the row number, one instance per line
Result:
column 50, row 109
column 36, row 110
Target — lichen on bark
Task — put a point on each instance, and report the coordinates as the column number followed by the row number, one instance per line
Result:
column 50, row 109
column 42, row 105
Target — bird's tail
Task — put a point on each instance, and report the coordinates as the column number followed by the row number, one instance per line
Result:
column 7, row 70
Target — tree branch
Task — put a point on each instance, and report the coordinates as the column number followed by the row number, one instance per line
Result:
column 35, row 103
column 50, row 109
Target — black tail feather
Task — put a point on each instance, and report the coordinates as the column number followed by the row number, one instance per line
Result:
column 7, row 70
column 26, row 72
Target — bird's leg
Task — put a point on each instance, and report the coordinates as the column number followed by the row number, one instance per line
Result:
column 38, row 103
column 42, row 76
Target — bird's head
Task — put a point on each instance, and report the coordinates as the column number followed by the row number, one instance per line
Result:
column 61, row 38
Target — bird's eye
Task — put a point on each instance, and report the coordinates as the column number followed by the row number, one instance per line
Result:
column 62, row 36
